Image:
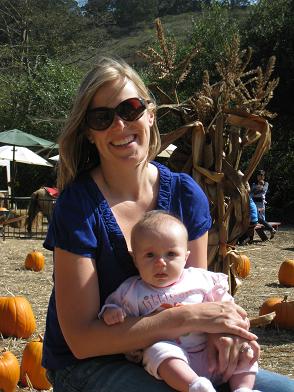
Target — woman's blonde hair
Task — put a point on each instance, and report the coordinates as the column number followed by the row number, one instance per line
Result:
column 76, row 153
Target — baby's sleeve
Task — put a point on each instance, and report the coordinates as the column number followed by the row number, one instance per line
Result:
column 123, row 297
column 220, row 288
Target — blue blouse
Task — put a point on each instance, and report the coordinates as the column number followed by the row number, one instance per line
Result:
column 83, row 224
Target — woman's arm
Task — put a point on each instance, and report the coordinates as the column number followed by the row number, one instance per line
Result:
column 77, row 300
column 198, row 252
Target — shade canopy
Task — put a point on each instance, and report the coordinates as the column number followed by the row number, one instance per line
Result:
column 22, row 155
column 19, row 138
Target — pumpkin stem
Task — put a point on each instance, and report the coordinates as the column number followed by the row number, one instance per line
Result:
column 285, row 298
column 41, row 338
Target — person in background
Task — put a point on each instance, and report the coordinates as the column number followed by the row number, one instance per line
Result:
column 108, row 180
column 247, row 237
column 160, row 251
column 255, row 218
column 258, row 193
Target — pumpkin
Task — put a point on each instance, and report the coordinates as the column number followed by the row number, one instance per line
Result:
column 9, row 371
column 240, row 263
column 35, row 261
column 31, row 367
column 16, row 317
column 286, row 273
column 284, row 311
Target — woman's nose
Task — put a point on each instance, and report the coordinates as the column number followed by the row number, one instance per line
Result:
column 118, row 122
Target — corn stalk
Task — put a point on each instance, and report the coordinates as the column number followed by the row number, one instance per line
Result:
column 219, row 121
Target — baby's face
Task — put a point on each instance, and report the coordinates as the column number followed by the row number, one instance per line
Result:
column 161, row 254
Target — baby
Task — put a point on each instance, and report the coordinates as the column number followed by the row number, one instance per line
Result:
column 160, row 250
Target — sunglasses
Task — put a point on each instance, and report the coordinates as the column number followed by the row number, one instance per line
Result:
column 129, row 110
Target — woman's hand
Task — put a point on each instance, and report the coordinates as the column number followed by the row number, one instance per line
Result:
column 225, row 352
column 217, row 317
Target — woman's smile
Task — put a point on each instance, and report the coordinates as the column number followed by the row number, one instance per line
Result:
column 123, row 142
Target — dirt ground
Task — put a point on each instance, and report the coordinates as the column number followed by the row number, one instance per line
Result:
column 277, row 345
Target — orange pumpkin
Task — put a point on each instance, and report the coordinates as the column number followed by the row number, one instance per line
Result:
column 284, row 311
column 35, row 261
column 9, row 371
column 286, row 273
column 16, row 317
column 240, row 263
column 31, row 365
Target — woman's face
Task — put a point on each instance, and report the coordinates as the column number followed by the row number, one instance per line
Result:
column 123, row 141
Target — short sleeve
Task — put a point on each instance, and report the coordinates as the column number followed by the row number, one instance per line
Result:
column 194, row 207
column 220, row 289
column 74, row 224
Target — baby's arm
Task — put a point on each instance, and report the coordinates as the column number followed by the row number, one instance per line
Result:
column 113, row 315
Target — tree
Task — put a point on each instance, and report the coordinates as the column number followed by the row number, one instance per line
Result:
column 33, row 31
column 38, row 101
column 128, row 13
column 174, row 7
column 270, row 30
column 100, row 12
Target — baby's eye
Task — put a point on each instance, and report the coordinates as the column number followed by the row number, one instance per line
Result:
column 171, row 254
column 149, row 255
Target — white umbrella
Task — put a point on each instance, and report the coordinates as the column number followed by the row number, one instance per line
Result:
column 168, row 151
column 55, row 158
column 6, row 163
column 22, row 155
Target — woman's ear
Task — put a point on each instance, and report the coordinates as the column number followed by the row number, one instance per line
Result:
column 151, row 118
column 89, row 136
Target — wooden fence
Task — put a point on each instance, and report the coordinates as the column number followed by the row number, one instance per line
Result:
column 13, row 219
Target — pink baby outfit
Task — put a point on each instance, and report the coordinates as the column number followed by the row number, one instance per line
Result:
column 196, row 285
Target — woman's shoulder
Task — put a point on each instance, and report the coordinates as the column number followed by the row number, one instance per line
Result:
column 82, row 189
column 178, row 178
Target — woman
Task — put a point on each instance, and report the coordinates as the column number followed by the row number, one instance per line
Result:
column 108, row 182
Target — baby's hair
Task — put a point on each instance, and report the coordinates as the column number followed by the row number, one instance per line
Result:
column 152, row 220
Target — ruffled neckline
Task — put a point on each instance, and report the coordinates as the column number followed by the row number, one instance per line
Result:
column 115, row 234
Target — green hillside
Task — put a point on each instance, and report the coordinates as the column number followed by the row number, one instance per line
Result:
column 130, row 42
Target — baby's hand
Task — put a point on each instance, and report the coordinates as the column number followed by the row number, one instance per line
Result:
column 113, row 316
